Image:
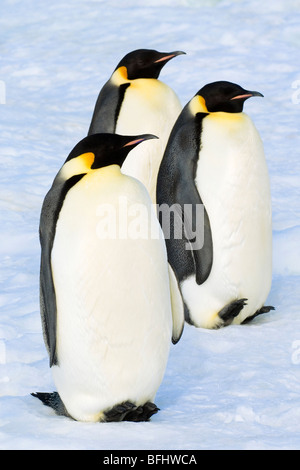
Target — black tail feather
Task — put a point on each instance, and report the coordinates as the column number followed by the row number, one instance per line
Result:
column 265, row 309
column 52, row 400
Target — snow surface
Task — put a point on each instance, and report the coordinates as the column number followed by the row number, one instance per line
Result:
column 235, row 388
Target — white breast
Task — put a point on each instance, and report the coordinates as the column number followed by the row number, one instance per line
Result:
column 151, row 107
column 113, row 300
column 232, row 179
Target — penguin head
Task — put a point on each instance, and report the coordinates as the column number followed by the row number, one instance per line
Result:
column 225, row 96
column 100, row 150
column 145, row 63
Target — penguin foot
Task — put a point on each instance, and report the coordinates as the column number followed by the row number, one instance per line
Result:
column 127, row 411
column 143, row 413
column 54, row 401
column 230, row 311
column 119, row 412
column 264, row 309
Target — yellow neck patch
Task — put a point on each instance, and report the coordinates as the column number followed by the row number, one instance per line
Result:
column 120, row 76
column 78, row 165
column 198, row 105
column 87, row 159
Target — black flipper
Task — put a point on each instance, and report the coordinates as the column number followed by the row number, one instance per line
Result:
column 176, row 186
column 50, row 212
column 54, row 401
column 261, row 311
column 107, row 108
column 230, row 311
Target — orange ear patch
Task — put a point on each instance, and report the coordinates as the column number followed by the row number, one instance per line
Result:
column 198, row 105
column 123, row 72
column 87, row 159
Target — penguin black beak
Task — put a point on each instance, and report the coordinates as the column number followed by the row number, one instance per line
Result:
column 248, row 94
column 140, row 139
column 169, row 56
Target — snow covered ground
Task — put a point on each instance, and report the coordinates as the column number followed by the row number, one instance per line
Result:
column 235, row 388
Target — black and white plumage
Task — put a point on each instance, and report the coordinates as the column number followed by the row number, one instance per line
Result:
column 214, row 159
column 135, row 101
column 108, row 306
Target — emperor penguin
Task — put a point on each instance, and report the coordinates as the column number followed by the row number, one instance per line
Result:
column 107, row 305
column 214, row 176
column 135, row 101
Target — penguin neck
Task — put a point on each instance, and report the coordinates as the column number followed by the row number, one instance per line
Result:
column 110, row 170
column 106, row 172
column 79, row 165
column 82, row 165
column 198, row 105
column 119, row 77
column 230, row 120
